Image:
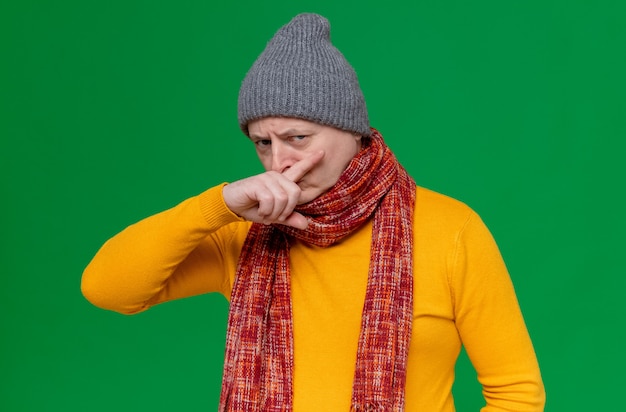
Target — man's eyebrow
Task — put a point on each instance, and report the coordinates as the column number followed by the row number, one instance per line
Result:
column 283, row 133
column 294, row 132
column 253, row 136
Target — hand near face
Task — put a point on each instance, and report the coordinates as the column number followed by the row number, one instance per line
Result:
column 271, row 197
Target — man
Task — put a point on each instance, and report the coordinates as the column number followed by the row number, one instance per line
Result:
column 350, row 287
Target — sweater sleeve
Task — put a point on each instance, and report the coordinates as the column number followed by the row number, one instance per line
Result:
column 491, row 325
column 184, row 251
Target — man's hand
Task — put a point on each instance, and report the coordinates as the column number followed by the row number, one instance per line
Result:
column 271, row 197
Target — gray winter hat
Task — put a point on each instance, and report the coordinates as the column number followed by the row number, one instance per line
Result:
column 301, row 74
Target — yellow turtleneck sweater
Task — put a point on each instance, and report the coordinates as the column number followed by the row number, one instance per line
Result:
column 462, row 296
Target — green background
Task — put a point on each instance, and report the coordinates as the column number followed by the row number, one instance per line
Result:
column 114, row 110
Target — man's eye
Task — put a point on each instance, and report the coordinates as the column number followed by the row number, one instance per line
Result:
column 263, row 142
column 298, row 138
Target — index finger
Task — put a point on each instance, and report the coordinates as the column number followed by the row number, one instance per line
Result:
column 302, row 167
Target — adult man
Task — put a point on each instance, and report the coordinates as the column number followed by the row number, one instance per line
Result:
column 355, row 288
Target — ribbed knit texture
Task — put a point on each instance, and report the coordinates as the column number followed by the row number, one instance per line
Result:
column 301, row 74
column 258, row 368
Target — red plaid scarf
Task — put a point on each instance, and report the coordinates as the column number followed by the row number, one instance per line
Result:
column 258, row 368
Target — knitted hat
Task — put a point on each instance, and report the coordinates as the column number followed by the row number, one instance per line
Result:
column 301, row 74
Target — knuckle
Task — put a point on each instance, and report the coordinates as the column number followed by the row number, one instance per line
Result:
column 281, row 197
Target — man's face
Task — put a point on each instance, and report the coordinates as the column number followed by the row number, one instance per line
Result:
column 281, row 141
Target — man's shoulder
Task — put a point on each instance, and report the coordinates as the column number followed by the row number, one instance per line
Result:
column 439, row 210
column 429, row 199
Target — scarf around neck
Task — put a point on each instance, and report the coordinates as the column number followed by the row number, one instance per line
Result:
column 258, row 365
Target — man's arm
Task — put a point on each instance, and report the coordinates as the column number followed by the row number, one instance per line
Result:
column 191, row 248
column 491, row 325
column 173, row 254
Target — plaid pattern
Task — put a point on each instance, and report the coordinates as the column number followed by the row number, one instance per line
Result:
column 258, row 367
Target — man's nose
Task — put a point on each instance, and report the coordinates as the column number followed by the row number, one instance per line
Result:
column 282, row 157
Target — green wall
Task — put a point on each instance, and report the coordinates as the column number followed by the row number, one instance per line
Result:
column 113, row 110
